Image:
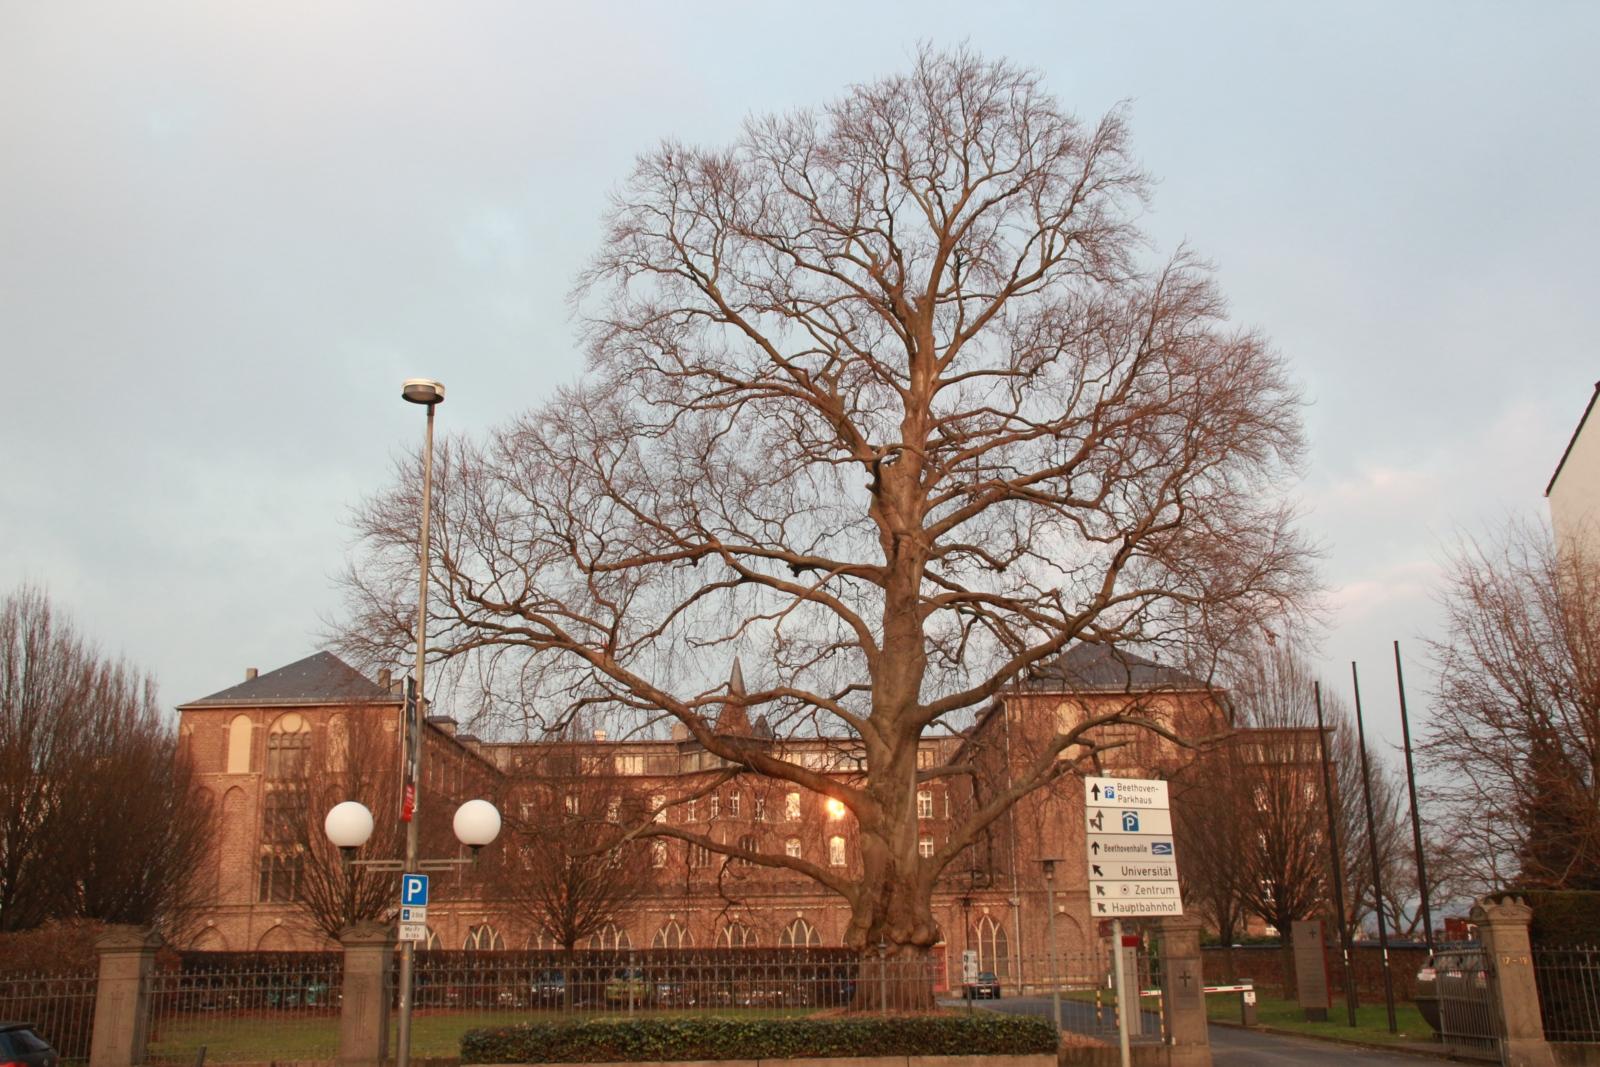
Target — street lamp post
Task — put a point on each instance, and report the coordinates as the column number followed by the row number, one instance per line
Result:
column 1050, row 908
column 430, row 394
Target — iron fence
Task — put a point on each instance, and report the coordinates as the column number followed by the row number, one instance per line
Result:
column 288, row 1010
column 1569, row 992
column 61, row 1008
column 1464, row 984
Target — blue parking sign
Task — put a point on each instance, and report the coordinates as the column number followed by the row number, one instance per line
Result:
column 414, row 890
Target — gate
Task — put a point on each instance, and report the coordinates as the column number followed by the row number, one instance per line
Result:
column 1468, row 1022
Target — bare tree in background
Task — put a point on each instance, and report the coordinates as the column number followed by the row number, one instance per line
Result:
column 882, row 396
column 1514, row 745
column 80, row 735
column 573, row 867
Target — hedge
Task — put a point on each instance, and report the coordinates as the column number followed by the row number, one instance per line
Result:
column 748, row 1039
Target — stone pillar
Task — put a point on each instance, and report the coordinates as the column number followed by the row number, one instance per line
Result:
column 1183, row 988
column 1503, row 927
column 122, row 998
column 364, row 1011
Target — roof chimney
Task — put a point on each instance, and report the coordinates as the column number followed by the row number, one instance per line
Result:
column 383, row 678
column 599, row 735
column 249, row 674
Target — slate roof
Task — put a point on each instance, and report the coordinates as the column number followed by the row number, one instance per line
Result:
column 1107, row 669
column 320, row 679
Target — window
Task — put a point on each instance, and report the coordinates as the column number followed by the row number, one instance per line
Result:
column 572, row 803
column 630, row 764
column 733, row 805
column 279, row 876
column 799, row 934
column 239, row 745
column 716, row 806
column 658, row 804
column 761, row 809
column 836, row 851
column 749, row 844
column 614, row 809
column 433, row 944
column 926, row 758
column 688, row 810
column 994, row 952
column 736, row 935
column 282, row 818
column 791, row 847
column 610, row 936
column 791, row 807
column 924, row 804
column 288, row 747
column 699, row 856
column 925, row 846
column 672, row 935
column 338, row 743
column 658, row 853
column 483, row 938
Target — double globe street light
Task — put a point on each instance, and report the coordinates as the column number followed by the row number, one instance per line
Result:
column 349, row 825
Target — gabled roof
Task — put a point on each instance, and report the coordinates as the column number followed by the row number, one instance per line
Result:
column 1572, row 440
column 320, row 679
column 1107, row 669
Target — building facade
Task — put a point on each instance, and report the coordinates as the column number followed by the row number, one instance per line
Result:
column 276, row 750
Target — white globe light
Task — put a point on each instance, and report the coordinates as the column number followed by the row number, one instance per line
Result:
column 477, row 823
column 349, row 824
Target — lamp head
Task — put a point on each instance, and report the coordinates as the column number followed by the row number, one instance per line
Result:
column 1049, row 869
column 477, row 823
column 348, row 825
column 423, row 391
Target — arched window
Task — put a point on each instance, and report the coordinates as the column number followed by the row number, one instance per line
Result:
column 288, row 746
column 338, row 743
column 994, row 950
column 791, row 847
column 279, row 876
column 610, row 936
column 836, row 852
column 736, row 935
column 239, row 745
column 672, row 935
column 483, row 938
column 538, row 941
column 433, row 940
column 799, row 934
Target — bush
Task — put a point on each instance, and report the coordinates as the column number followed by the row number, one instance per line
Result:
column 1563, row 918
column 749, row 1039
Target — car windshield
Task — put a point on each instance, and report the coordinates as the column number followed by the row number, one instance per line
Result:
column 985, row 976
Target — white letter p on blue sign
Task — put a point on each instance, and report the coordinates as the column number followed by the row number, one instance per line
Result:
column 414, row 890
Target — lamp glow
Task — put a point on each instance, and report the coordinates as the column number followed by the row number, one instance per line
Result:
column 476, row 823
column 835, row 808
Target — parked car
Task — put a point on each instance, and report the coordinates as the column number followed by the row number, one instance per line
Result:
column 627, row 986
column 20, row 1045
column 549, row 987
column 676, row 994
column 986, row 987
column 1458, row 976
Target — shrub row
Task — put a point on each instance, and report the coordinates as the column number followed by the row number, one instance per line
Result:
column 748, row 1039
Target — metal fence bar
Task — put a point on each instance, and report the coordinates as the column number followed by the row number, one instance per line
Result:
column 286, row 1011
column 1569, row 992
column 61, row 1007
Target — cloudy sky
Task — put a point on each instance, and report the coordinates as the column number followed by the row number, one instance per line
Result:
column 229, row 230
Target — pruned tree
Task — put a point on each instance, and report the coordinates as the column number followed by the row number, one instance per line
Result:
column 883, row 396
column 572, row 866
column 80, row 734
column 1514, row 745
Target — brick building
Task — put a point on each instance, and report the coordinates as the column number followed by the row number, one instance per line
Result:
column 255, row 745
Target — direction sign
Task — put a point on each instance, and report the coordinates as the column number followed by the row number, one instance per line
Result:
column 1144, row 909
column 414, row 890
column 1125, row 793
column 1152, row 870
column 1133, row 891
column 1129, row 821
column 1129, row 847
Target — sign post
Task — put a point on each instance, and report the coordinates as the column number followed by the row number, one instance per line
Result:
column 1133, row 870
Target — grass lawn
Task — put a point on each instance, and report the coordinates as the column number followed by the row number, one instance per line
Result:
column 264, row 1036
column 1372, row 1020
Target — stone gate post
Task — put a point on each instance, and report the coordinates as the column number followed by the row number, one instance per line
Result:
column 1503, row 925
column 1183, row 988
column 364, row 1011
column 122, row 997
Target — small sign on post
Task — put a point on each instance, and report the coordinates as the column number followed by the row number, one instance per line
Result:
column 413, row 890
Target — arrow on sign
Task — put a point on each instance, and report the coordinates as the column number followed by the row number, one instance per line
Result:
column 1100, row 889
column 1095, row 847
column 1100, row 907
column 1098, row 873
column 1094, row 791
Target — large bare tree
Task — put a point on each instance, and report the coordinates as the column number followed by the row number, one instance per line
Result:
column 1514, row 745
column 884, row 396
column 81, row 736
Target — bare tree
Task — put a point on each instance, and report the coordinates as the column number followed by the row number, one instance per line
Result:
column 1514, row 745
column 573, row 866
column 881, row 396
column 79, row 735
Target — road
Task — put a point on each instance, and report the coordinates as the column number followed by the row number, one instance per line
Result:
column 1230, row 1046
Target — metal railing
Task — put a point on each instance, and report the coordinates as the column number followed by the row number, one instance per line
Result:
column 1469, row 1022
column 288, row 1010
column 61, row 1008
column 1569, row 992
